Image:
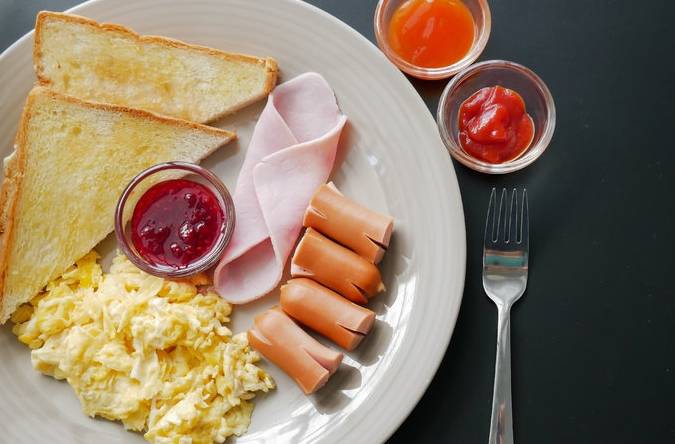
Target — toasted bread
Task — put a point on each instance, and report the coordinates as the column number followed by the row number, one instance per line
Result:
column 72, row 160
column 109, row 63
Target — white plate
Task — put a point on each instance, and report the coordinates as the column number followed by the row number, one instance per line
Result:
column 393, row 161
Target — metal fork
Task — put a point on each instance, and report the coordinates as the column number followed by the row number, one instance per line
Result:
column 505, row 255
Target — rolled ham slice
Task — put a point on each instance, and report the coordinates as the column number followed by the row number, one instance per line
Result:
column 336, row 267
column 291, row 153
column 348, row 223
column 326, row 312
column 302, row 357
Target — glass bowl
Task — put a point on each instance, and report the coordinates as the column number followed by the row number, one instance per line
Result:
column 158, row 173
column 538, row 103
column 480, row 10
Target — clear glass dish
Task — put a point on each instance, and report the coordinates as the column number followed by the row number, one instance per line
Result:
column 538, row 102
column 156, row 174
column 480, row 10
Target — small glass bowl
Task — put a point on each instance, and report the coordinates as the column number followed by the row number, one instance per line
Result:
column 538, row 104
column 480, row 10
column 161, row 172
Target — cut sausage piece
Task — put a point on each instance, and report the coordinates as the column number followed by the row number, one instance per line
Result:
column 348, row 223
column 326, row 312
column 336, row 267
column 302, row 357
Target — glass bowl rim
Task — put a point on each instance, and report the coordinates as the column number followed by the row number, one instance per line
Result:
column 442, row 72
column 208, row 259
column 532, row 153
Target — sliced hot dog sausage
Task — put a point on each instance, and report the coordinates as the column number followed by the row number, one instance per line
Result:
column 348, row 223
column 336, row 267
column 302, row 357
column 326, row 312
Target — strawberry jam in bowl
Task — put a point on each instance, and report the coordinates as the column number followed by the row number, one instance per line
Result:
column 174, row 219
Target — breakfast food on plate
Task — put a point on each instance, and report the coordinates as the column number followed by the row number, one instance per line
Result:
column 326, row 312
column 291, row 153
column 71, row 162
column 336, row 267
column 302, row 357
column 152, row 353
column 109, row 63
column 364, row 231
column 494, row 126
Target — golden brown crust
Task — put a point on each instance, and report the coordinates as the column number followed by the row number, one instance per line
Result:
column 10, row 188
column 9, row 196
column 269, row 63
column 272, row 74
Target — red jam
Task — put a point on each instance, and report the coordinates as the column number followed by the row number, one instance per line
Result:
column 493, row 125
column 176, row 222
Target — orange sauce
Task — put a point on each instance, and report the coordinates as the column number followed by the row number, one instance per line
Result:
column 431, row 33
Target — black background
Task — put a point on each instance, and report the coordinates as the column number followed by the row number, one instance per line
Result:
column 593, row 351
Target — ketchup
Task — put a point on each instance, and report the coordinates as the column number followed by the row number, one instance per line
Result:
column 176, row 222
column 493, row 125
column 431, row 33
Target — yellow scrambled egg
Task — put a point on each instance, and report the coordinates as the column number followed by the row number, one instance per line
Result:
column 152, row 353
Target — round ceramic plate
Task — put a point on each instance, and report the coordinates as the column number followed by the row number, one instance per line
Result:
column 392, row 159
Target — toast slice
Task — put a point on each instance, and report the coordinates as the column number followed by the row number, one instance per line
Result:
column 71, row 162
column 109, row 63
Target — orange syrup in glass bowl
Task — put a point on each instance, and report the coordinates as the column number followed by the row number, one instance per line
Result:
column 431, row 33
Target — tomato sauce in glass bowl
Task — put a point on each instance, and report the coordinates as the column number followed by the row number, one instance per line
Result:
column 494, row 125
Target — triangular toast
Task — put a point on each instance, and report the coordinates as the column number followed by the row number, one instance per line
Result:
column 110, row 63
column 71, row 162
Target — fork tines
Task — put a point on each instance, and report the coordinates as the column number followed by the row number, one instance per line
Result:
column 507, row 226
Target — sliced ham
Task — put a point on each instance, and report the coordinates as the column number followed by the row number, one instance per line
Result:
column 336, row 267
column 291, row 153
column 326, row 312
column 302, row 357
column 363, row 230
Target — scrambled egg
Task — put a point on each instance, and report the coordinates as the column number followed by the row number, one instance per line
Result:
column 149, row 352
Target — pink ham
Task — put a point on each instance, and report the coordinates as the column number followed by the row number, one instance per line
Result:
column 291, row 153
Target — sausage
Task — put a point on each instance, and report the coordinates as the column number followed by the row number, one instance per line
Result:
column 302, row 357
column 336, row 267
column 348, row 223
column 326, row 312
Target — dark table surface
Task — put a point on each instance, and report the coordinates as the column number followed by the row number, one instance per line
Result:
column 593, row 339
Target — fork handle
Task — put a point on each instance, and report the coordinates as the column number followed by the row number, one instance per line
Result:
column 501, row 423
